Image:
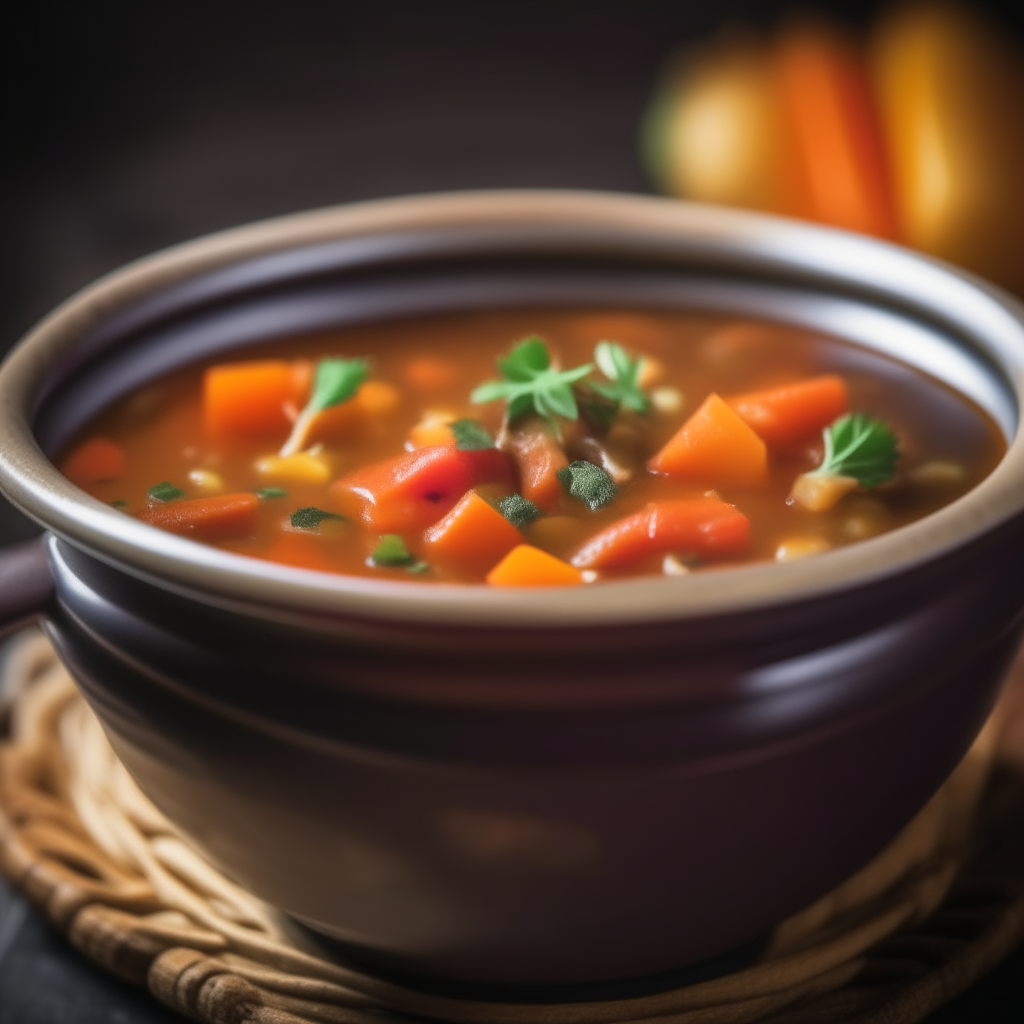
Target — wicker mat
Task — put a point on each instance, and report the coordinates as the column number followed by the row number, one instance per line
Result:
column 941, row 906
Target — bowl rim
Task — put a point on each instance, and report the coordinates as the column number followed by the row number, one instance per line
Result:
column 759, row 245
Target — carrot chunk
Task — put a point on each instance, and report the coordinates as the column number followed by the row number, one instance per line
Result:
column 414, row 490
column 538, row 457
column 374, row 398
column 251, row 397
column 701, row 526
column 527, row 566
column 794, row 411
column 714, row 445
column 473, row 533
column 220, row 517
column 95, row 460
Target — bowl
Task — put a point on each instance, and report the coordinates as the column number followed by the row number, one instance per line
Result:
column 524, row 788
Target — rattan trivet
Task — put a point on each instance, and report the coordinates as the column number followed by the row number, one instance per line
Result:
column 941, row 906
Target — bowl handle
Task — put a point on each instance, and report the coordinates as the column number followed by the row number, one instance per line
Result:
column 26, row 584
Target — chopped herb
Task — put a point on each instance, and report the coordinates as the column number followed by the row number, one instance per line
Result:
column 623, row 373
column 530, row 385
column 335, row 381
column 590, row 483
column 164, row 491
column 310, row 517
column 119, row 503
column 267, row 493
column 470, row 436
column 391, row 553
column 860, row 447
column 518, row 510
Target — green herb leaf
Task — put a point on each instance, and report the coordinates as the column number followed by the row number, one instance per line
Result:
column 268, row 493
column 470, row 436
column 336, row 381
column 310, row 517
column 530, row 385
column 590, row 483
column 164, row 491
column 861, row 447
column 598, row 410
column 119, row 503
column 391, row 553
column 518, row 510
column 623, row 372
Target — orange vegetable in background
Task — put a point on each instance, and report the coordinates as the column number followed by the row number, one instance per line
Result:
column 94, row 461
column 794, row 411
column 538, row 457
column 472, row 533
column 374, row 398
column 250, row 398
column 222, row 517
column 714, row 446
column 527, row 566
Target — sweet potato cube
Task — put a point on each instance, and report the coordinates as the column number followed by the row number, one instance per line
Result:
column 250, row 398
column 527, row 566
column 472, row 533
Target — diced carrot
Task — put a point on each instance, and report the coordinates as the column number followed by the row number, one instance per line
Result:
column 374, row 398
column 794, row 411
column 416, row 489
column 701, row 526
column 220, row 517
column 473, row 533
column 715, row 446
column 251, row 398
column 538, row 457
column 302, row 550
column 94, row 461
column 428, row 373
column 527, row 566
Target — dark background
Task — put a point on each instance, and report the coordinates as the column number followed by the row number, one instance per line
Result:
column 127, row 129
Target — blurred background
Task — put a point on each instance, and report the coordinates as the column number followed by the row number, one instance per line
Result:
column 131, row 128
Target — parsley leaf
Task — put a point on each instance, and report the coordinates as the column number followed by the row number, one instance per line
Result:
column 391, row 553
column 623, row 373
column 470, row 436
column 164, row 491
column 590, row 483
column 518, row 510
column 310, row 517
column 335, row 381
column 266, row 493
column 860, row 447
column 530, row 385
column 119, row 503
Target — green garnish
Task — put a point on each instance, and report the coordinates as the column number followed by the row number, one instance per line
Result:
column 267, row 493
column 518, row 510
column 391, row 553
column 470, row 436
column 310, row 517
column 860, row 447
column 598, row 411
column 623, row 372
column 164, row 491
column 119, row 503
column 590, row 483
column 335, row 381
column 530, row 385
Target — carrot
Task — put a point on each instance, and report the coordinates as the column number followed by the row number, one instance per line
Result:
column 538, row 457
column 714, row 445
column 473, row 533
column 428, row 373
column 220, row 517
column 414, row 490
column 794, row 411
column 701, row 526
column 302, row 550
column 251, row 397
column 527, row 566
column 836, row 131
column 94, row 461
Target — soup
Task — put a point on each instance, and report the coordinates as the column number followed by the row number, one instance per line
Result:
column 538, row 447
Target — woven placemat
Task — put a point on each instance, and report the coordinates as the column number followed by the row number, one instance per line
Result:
column 941, row 906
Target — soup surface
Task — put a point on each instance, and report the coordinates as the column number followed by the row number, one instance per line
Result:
column 538, row 447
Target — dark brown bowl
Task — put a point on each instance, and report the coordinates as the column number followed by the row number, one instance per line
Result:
column 541, row 787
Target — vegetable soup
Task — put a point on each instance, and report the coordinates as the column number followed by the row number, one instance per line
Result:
column 538, row 447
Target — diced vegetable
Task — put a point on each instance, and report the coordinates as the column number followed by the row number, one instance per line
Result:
column 335, row 381
column 794, row 411
column 473, row 533
column 715, row 446
column 206, row 480
column 251, row 398
column 538, row 457
column 95, row 461
column 221, row 517
column 300, row 468
column 434, row 428
column 800, row 547
column 374, row 398
column 589, row 483
column 526, row 566
column 391, row 553
column 701, row 526
column 414, row 490
column 818, row 492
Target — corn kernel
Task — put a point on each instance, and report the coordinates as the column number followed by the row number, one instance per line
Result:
column 800, row 547
column 667, row 399
column 302, row 467
column 818, row 493
column 673, row 565
column 206, row 480
column 650, row 372
column 938, row 473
